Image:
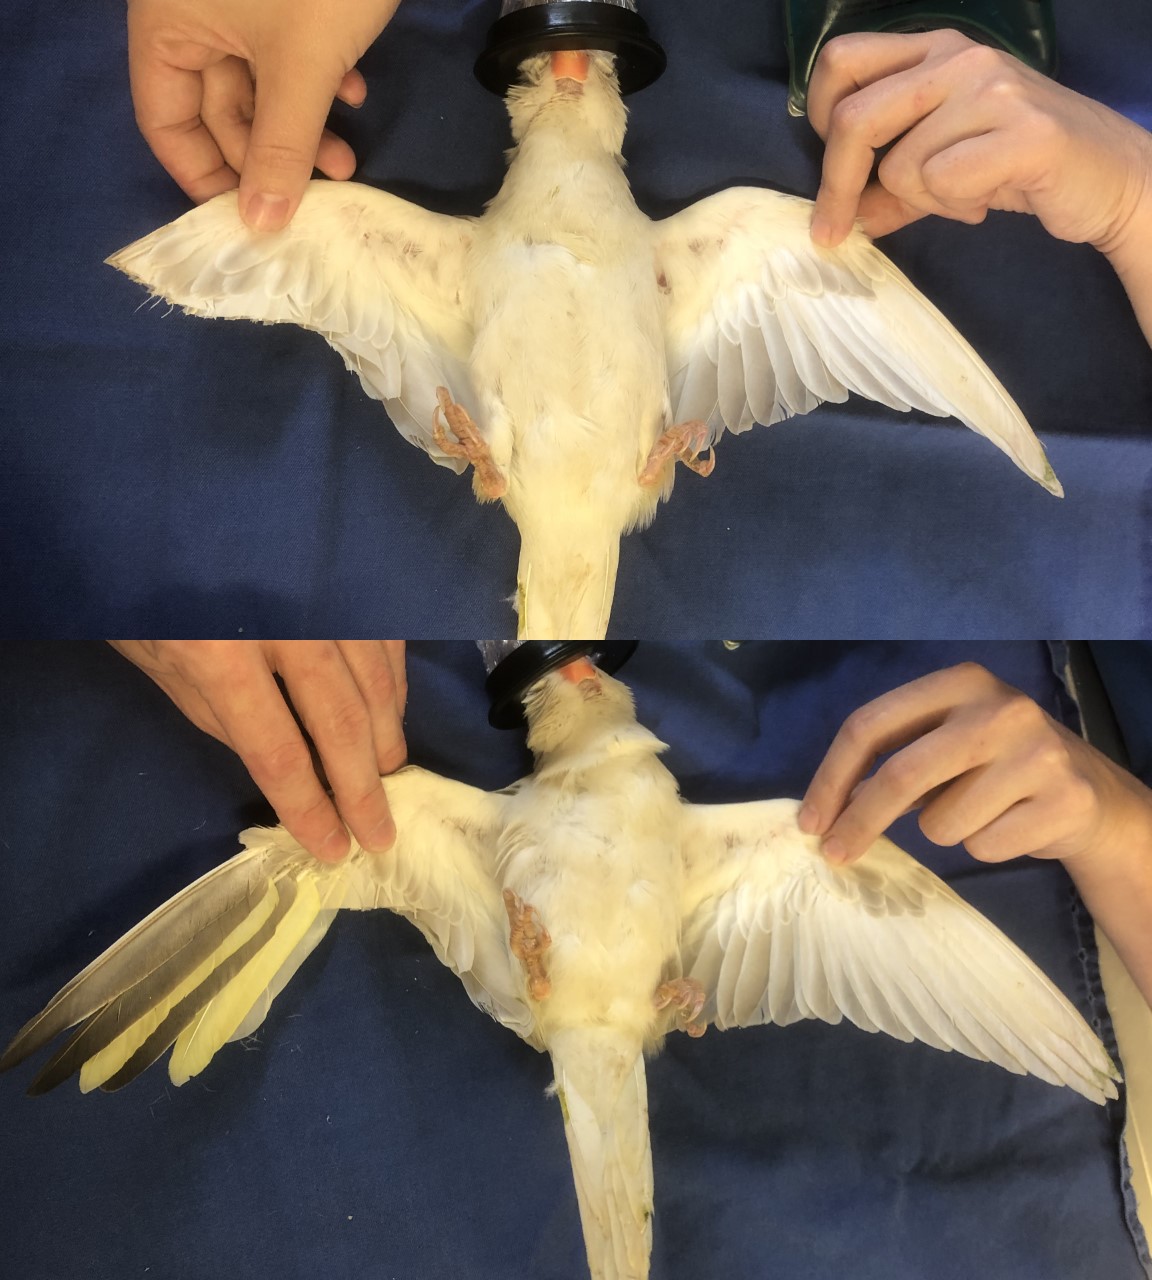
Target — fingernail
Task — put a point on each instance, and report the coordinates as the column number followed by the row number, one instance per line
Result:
column 821, row 230
column 834, row 849
column 267, row 212
column 382, row 837
column 334, row 845
column 808, row 820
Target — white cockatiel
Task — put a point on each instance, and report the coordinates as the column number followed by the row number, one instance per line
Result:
column 569, row 347
column 591, row 911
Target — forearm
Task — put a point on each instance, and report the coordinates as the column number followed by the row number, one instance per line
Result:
column 1115, row 882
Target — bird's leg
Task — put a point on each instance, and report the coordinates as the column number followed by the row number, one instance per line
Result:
column 469, row 443
column 685, row 997
column 684, row 442
column 529, row 941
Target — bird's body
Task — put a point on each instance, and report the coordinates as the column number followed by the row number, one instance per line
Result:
column 571, row 348
column 568, row 362
column 592, row 844
column 591, row 910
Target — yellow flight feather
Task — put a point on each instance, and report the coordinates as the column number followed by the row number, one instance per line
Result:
column 200, row 1040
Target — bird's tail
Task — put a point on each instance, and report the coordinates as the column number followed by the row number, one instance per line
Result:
column 565, row 583
column 603, row 1094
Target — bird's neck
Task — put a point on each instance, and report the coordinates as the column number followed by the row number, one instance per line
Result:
column 564, row 159
column 598, row 746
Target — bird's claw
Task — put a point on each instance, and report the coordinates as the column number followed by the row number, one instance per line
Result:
column 469, row 444
column 684, row 997
column 529, row 942
column 683, row 443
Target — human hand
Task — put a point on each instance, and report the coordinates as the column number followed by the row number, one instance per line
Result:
column 987, row 768
column 236, row 92
column 977, row 130
column 350, row 695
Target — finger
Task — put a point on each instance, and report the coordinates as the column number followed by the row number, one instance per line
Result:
column 928, row 168
column 881, row 213
column 335, row 158
column 353, row 89
column 881, row 725
column 1026, row 828
column 900, row 784
column 978, row 798
column 375, row 676
column 168, row 101
column 293, row 98
column 263, row 732
column 859, row 125
column 991, row 168
column 852, row 62
column 229, row 101
column 396, row 656
column 332, row 707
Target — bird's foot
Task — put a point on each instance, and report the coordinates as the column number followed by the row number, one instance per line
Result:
column 685, row 998
column 469, row 443
column 529, row 941
column 685, row 443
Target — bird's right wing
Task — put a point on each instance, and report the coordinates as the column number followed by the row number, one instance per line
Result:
column 383, row 280
column 775, row 933
column 203, row 968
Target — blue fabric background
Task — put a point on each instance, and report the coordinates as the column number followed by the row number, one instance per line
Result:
column 165, row 475
column 381, row 1127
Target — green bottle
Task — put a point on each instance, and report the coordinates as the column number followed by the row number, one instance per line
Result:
column 1023, row 27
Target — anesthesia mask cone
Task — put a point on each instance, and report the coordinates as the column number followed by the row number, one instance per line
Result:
column 514, row 666
column 527, row 27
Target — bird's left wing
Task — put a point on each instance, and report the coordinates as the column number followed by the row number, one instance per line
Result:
column 204, row 967
column 775, row 933
column 760, row 324
column 383, row 280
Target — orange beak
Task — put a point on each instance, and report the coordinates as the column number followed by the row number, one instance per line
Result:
column 570, row 64
column 579, row 670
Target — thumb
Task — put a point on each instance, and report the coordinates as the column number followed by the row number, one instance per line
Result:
column 881, row 212
column 293, row 99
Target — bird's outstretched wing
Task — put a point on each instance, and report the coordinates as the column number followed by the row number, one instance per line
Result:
column 380, row 278
column 761, row 324
column 204, row 967
column 775, row 934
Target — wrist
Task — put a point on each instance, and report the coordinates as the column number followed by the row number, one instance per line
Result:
column 1119, row 853
column 1127, row 240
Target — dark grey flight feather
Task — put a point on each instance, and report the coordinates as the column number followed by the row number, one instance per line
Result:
column 153, row 942
column 92, row 1037
column 103, row 1026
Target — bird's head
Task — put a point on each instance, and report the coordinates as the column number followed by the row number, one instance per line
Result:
column 574, row 707
column 569, row 84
